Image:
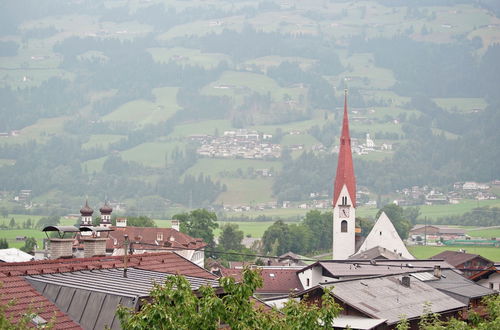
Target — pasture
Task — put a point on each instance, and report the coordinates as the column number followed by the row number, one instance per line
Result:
column 424, row 252
column 220, row 168
column 461, row 105
column 188, row 56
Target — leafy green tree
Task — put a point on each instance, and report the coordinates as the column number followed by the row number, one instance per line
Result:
column 301, row 238
column 141, row 221
column 321, row 228
column 29, row 244
column 173, row 305
column 48, row 221
column 231, row 237
column 398, row 219
column 198, row 223
column 276, row 238
column 3, row 243
column 412, row 214
column 12, row 223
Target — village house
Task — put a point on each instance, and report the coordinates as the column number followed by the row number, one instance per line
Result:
column 489, row 278
column 140, row 239
column 435, row 233
column 470, row 264
column 84, row 293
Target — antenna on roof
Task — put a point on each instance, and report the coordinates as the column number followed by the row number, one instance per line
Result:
column 125, row 256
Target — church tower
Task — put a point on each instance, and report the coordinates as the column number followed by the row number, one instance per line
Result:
column 86, row 211
column 344, row 196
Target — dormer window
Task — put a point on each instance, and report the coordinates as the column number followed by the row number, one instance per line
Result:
column 159, row 236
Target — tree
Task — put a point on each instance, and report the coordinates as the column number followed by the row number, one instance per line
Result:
column 12, row 223
column 321, row 228
column 199, row 223
column 3, row 243
column 48, row 221
column 29, row 245
column 141, row 221
column 4, row 212
column 173, row 305
column 398, row 219
column 276, row 238
column 231, row 237
column 412, row 214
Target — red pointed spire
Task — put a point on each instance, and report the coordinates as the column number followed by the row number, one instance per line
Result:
column 345, row 168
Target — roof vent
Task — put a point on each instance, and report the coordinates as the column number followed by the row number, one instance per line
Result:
column 437, row 271
column 405, row 281
column 38, row 320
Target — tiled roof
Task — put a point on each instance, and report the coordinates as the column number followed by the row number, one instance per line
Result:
column 457, row 258
column 170, row 238
column 274, row 280
column 376, row 252
column 16, row 287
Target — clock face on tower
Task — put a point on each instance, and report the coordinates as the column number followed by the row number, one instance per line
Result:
column 343, row 212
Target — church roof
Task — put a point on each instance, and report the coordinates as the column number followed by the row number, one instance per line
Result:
column 385, row 236
column 86, row 210
column 345, row 168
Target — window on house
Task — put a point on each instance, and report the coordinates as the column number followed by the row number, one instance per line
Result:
column 307, row 282
column 343, row 226
column 491, row 286
column 159, row 236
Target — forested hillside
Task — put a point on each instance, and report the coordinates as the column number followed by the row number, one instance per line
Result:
column 113, row 99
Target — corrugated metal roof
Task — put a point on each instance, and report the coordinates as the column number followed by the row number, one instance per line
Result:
column 138, row 282
column 386, row 298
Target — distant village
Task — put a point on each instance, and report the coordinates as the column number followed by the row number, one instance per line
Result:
column 242, row 143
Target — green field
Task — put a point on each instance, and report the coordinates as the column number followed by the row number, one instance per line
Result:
column 255, row 229
column 219, row 168
column 437, row 211
column 11, row 234
column 424, row 252
column 188, row 56
column 461, row 105
column 485, row 233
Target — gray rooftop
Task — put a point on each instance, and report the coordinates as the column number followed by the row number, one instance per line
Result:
column 386, row 298
column 457, row 286
column 90, row 297
column 357, row 268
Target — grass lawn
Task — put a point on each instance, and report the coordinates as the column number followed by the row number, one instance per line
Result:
column 461, row 105
column 486, row 233
column 246, row 191
column 201, row 127
column 307, row 140
column 11, row 235
column 151, row 154
column 188, row 56
column 255, row 228
column 424, row 252
column 437, row 211
column 217, row 167
column 101, row 141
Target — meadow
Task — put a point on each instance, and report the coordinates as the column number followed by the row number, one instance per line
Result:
column 424, row 252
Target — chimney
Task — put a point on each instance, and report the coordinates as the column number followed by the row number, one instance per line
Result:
column 61, row 248
column 405, row 281
column 437, row 271
column 176, row 225
column 121, row 222
column 94, row 246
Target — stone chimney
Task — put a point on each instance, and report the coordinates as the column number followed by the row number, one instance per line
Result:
column 437, row 271
column 176, row 225
column 121, row 222
column 61, row 248
column 94, row 246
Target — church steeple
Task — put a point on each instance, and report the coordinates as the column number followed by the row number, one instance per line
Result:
column 345, row 168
